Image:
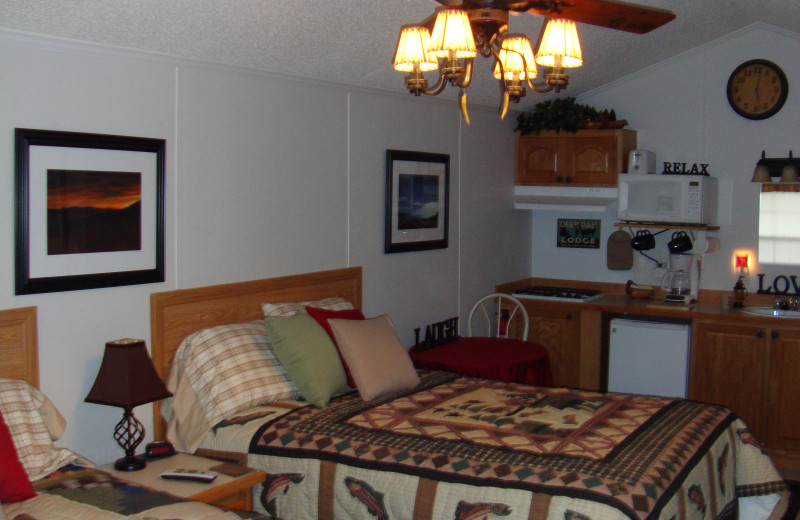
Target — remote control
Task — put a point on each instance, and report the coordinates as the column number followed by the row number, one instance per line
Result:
column 198, row 475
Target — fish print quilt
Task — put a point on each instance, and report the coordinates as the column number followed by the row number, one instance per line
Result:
column 467, row 448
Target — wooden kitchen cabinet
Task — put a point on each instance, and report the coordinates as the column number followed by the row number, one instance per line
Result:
column 784, row 404
column 558, row 330
column 752, row 369
column 585, row 158
column 730, row 366
column 571, row 336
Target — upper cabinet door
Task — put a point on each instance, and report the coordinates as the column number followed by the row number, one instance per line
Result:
column 541, row 161
column 593, row 160
column 586, row 158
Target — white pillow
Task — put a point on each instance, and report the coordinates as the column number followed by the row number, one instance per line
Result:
column 378, row 361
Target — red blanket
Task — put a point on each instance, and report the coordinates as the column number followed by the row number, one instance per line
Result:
column 490, row 358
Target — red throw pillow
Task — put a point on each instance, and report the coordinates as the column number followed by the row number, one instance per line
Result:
column 322, row 316
column 15, row 486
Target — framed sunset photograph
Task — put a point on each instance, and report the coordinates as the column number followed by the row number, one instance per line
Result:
column 89, row 210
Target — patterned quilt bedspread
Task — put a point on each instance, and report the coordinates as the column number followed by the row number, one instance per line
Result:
column 466, row 448
column 91, row 494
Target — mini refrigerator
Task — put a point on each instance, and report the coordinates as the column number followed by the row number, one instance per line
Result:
column 648, row 357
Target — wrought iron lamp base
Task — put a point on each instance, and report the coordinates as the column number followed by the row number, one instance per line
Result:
column 129, row 433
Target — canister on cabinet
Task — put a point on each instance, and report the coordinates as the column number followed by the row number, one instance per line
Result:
column 641, row 162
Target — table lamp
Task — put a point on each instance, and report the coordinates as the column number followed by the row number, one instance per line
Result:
column 127, row 379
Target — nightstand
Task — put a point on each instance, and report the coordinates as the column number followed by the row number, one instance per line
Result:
column 224, row 491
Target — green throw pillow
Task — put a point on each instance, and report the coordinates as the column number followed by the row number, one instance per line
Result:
column 308, row 355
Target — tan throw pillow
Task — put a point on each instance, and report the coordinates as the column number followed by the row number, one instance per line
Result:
column 378, row 361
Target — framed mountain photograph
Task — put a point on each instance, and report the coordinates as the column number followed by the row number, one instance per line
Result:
column 417, row 205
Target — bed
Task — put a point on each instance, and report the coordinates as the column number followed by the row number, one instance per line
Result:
column 41, row 482
column 453, row 446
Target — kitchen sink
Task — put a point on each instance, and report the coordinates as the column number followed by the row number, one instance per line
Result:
column 769, row 311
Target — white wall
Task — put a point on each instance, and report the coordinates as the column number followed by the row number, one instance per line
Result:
column 266, row 176
column 680, row 110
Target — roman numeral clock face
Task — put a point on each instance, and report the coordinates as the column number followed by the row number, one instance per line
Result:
column 757, row 89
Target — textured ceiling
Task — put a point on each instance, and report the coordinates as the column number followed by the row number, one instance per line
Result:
column 352, row 41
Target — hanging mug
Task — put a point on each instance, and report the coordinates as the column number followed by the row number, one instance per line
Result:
column 643, row 240
column 680, row 243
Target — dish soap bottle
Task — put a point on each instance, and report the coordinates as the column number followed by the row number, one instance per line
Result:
column 739, row 293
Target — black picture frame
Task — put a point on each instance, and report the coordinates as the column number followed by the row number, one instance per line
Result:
column 417, row 201
column 72, row 157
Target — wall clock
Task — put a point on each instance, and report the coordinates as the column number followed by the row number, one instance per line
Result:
column 757, row 89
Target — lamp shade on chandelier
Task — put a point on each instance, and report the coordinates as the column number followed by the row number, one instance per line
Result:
column 452, row 35
column 458, row 36
column 412, row 53
column 516, row 60
column 559, row 45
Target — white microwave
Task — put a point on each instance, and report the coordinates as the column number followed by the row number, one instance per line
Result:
column 667, row 199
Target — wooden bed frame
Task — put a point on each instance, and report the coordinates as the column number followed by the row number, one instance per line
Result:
column 19, row 348
column 176, row 314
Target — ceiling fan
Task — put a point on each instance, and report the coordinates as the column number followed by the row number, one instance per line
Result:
column 461, row 29
column 613, row 14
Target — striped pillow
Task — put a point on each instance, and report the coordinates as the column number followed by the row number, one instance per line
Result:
column 335, row 303
column 232, row 367
column 22, row 406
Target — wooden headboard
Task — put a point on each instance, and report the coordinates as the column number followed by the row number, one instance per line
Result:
column 176, row 314
column 19, row 351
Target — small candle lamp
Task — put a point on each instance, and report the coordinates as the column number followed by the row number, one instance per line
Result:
column 740, row 288
column 742, row 263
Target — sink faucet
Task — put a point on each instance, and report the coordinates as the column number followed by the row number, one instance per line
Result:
column 786, row 303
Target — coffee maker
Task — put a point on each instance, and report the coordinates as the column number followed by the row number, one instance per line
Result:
column 682, row 280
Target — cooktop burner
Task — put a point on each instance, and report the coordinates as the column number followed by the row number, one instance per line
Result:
column 545, row 292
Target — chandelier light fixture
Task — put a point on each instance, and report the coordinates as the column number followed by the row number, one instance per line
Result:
column 458, row 36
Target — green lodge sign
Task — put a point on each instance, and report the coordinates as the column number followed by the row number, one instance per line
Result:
column 575, row 232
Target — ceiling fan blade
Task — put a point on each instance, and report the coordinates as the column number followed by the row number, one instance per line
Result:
column 613, row 14
column 451, row 3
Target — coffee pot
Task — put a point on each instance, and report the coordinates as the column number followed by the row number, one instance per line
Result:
column 678, row 280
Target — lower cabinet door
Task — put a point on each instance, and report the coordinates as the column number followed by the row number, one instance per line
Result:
column 730, row 365
column 559, row 332
column 784, row 405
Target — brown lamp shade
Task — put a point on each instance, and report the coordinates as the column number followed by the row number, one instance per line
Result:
column 127, row 377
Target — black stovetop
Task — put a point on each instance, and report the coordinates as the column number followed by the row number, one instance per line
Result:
column 546, row 292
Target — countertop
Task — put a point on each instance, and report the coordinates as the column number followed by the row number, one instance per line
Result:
column 616, row 301
column 655, row 307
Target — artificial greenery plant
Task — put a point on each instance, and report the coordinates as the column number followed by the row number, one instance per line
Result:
column 563, row 114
